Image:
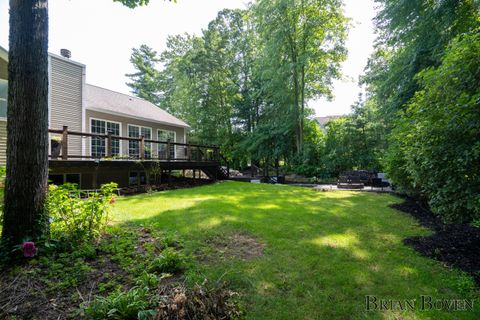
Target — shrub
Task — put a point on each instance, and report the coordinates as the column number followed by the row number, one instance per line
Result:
column 438, row 135
column 77, row 217
column 169, row 261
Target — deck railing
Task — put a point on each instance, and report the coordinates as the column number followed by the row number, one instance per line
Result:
column 148, row 149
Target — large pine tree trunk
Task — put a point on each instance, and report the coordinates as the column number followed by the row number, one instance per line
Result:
column 25, row 215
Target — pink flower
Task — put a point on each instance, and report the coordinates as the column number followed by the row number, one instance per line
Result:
column 29, row 249
column 113, row 200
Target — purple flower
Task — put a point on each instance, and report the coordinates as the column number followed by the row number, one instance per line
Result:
column 29, row 249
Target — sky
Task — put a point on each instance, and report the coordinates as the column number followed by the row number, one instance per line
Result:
column 102, row 33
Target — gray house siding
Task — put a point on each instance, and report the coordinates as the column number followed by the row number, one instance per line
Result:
column 125, row 121
column 66, row 83
column 65, row 100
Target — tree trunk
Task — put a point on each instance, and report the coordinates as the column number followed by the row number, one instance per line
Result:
column 302, row 110
column 25, row 215
column 296, row 112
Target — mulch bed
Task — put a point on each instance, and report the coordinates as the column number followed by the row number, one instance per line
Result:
column 175, row 183
column 457, row 245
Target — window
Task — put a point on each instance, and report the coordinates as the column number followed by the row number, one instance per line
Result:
column 164, row 135
column 133, row 178
column 56, row 179
column 61, row 178
column 99, row 144
column 147, row 134
column 3, row 98
column 114, row 129
column 134, row 146
column 136, row 178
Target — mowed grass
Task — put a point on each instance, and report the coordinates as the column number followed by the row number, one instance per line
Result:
column 324, row 251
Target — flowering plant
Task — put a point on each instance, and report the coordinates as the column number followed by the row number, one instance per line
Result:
column 29, row 250
column 76, row 216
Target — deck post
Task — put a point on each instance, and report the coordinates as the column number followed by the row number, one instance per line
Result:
column 168, row 149
column 109, row 144
column 65, row 143
column 142, row 147
column 189, row 152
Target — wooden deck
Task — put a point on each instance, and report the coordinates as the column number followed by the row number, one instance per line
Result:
column 108, row 164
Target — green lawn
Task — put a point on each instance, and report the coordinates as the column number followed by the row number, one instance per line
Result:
column 324, row 251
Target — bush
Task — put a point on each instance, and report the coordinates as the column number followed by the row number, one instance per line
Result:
column 169, row 261
column 438, row 135
column 77, row 217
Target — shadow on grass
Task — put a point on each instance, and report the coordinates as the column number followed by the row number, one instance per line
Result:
column 324, row 252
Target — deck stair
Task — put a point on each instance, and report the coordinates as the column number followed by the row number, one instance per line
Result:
column 216, row 172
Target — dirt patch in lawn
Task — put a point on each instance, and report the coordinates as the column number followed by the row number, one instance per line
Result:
column 235, row 246
column 457, row 245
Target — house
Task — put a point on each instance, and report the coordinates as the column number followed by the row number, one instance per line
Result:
column 323, row 121
column 98, row 135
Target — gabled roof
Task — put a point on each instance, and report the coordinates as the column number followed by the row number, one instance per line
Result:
column 322, row 121
column 112, row 102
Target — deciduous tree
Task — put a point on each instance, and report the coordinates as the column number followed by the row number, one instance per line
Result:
column 25, row 214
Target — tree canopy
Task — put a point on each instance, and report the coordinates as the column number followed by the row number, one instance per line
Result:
column 246, row 80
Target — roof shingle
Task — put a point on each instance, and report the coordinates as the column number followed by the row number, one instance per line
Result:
column 101, row 99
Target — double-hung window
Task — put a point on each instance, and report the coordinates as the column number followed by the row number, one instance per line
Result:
column 3, row 98
column 165, row 135
column 99, row 144
column 135, row 131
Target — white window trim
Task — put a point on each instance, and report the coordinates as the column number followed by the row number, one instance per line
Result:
column 174, row 140
column 140, row 134
column 99, row 119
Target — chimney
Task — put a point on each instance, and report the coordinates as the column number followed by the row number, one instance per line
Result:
column 65, row 53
